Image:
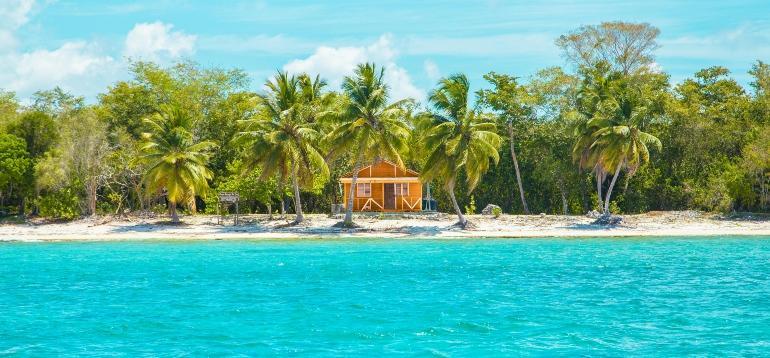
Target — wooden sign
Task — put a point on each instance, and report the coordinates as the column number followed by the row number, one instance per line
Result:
column 229, row 197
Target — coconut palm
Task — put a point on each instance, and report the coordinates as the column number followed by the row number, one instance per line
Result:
column 458, row 138
column 176, row 162
column 283, row 137
column 620, row 142
column 621, row 147
column 258, row 152
column 368, row 126
column 612, row 138
column 594, row 92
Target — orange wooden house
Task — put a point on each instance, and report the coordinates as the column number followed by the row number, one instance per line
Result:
column 383, row 186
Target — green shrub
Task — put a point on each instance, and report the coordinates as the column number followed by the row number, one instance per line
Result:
column 60, row 204
column 496, row 211
column 470, row 209
column 159, row 209
column 726, row 188
column 615, row 208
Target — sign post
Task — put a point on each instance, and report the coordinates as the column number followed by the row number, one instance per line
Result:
column 225, row 200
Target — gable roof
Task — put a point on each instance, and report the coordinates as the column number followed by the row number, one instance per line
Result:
column 409, row 172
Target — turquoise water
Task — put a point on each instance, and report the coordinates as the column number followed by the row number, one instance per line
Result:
column 660, row 297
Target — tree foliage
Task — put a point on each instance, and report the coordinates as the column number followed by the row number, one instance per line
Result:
column 608, row 132
column 15, row 166
column 284, row 138
column 176, row 162
column 627, row 47
column 458, row 139
column 369, row 127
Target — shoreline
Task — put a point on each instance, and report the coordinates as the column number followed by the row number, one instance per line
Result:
column 415, row 227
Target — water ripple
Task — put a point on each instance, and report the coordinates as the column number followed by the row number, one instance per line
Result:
column 538, row 297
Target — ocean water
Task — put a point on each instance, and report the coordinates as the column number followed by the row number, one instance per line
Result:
column 531, row 297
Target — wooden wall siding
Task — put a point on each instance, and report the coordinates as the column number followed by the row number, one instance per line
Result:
column 412, row 202
column 378, row 174
column 384, row 170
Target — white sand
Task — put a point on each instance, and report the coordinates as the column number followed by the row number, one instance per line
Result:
column 204, row 227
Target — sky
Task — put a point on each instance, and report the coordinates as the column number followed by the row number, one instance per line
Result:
column 85, row 45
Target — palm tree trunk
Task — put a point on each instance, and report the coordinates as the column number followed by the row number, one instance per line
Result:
column 625, row 184
column 609, row 190
column 282, row 190
column 460, row 217
column 599, row 182
column 763, row 191
column 193, row 205
column 516, row 167
column 462, row 222
column 297, row 199
column 349, row 205
column 172, row 211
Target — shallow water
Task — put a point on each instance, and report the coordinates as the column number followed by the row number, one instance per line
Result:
column 469, row 297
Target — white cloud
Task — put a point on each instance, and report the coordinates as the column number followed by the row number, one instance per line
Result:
column 400, row 83
column 13, row 14
column 75, row 66
column 743, row 44
column 334, row 63
column 79, row 66
column 655, row 67
column 431, row 70
column 156, row 42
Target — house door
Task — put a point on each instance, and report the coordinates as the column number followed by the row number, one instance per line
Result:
column 390, row 196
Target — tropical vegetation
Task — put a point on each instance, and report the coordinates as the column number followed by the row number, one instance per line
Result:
column 176, row 163
column 609, row 131
column 283, row 136
column 458, row 139
column 369, row 127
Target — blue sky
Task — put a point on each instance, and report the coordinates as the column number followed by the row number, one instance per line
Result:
column 82, row 45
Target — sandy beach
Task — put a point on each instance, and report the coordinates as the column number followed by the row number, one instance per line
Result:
column 318, row 226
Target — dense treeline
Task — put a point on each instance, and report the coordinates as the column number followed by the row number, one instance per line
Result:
column 607, row 132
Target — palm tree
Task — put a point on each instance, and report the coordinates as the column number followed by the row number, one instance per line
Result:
column 622, row 146
column 259, row 152
column 619, row 141
column 457, row 139
column 176, row 163
column 283, row 136
column 585, row 156
column 611, row 139
column 369, row 127
column 593, row 94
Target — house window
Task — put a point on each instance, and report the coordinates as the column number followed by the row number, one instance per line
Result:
column 364, row 190
column 402, row 189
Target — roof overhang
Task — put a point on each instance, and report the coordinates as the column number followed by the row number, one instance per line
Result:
column 382, row 180
column 409, row 171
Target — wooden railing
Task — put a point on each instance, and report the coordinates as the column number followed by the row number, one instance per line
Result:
column 411, row 203
column 402, row 203
column 368, row 204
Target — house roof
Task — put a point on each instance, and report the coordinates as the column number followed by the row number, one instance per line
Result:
column 407, row 170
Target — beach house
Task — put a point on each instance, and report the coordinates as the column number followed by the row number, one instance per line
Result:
column 383, row 186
